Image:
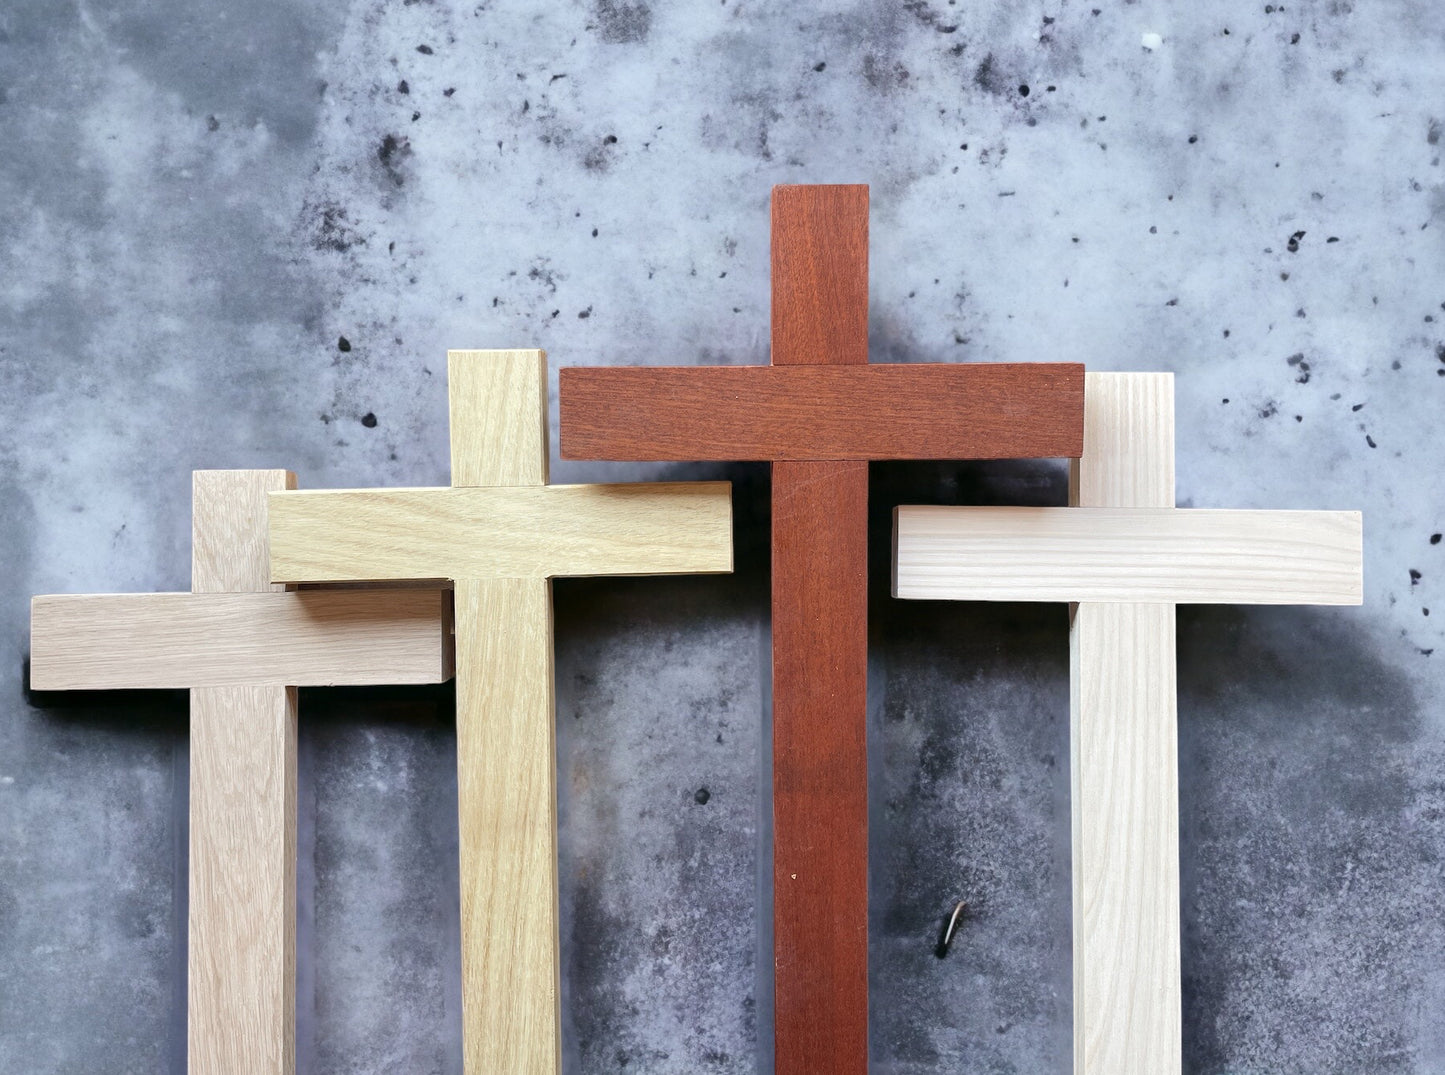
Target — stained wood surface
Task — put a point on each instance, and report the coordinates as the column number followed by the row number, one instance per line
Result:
column 506, row 790
column 1125, row 760
column 176, row 640
column 241, row 1009
column 819, row 253
column 820, row 654
column 539, row 531
column 887, row 411
column 1183, row 556
column 820, row 766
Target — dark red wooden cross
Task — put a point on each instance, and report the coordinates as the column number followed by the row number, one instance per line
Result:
column 819, row 413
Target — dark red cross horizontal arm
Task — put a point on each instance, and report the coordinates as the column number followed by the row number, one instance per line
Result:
column 819, row 414
column 897, row 411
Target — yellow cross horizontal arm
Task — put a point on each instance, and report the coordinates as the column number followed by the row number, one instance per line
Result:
column 1170, row 555
column 191, row 640
column 538, row 531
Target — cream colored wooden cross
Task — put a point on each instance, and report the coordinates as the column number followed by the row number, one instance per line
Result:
column 500, row 533
column 1127, row 556
column 242, row 646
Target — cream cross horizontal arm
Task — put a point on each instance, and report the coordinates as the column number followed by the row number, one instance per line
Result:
column 500, row 533
column 1183, row 556
column 242, row 646
column 1127, row 556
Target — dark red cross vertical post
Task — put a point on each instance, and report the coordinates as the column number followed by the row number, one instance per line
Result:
column 819, row 414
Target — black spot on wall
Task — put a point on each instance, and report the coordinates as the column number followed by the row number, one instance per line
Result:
column 392, row 152
column 1432, row 133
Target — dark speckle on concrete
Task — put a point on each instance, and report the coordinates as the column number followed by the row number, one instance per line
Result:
column 369, row 420
column 392, row 153
column 701, row 796
column 623, row 23
column 343, row 344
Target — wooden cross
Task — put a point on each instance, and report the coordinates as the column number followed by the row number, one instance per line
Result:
column 1127, row 556
column 819, row 413
column 242, row 646
column 500, row 533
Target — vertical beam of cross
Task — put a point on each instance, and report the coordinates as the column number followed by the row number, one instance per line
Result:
column 500, row 533
column 1124, row 759
column 242, row 957
column 506, row 728
column 819, row 414
column 820, row 653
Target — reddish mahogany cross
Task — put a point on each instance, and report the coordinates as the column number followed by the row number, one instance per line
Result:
column 819, row 413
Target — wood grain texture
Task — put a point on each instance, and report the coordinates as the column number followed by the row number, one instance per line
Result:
column 820, row 655
column 506, row 792
column 241, row 1007
column 306, row 639
column 498, row 406
column 641, row 528
column 820, row 276
column 242, row 955
column 886, row 411
column 1124, row 759
column 820, row 767
column 1182, row 556
column 228, row 529
column 1125, row 794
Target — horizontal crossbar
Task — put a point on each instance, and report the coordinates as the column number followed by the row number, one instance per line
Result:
column 541, row 531
column 1182, row 556
column 823, row 412
column 298, row 639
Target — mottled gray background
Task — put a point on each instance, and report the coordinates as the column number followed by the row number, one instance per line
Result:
column 245, row 235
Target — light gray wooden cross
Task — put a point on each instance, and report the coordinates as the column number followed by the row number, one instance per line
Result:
column 1127, row 556
column 242, row 646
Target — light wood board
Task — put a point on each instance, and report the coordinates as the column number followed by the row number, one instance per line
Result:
column 1183, row 556
column 311, row 638
column 506, row 788
column 1124, row 759
column 241, row 1011
column 542, row 531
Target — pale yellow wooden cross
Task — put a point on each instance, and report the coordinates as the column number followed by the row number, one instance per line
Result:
column 1127, row 556
column 242, row 646
column 500, row 533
